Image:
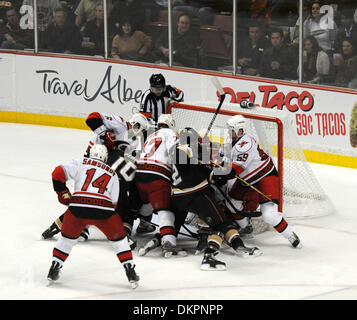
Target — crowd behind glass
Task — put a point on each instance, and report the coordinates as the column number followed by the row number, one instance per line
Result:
column 244, row 37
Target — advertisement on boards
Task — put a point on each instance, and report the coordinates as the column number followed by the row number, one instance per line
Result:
column 76, row 87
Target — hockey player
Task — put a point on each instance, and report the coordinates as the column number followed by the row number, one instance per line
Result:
column 154, row 179
column 253, row 165
column 96, row 190
column 154, row 101
column 119, row 136
column 194, row 193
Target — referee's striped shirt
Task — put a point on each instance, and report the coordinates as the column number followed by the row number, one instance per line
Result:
column 153, row 106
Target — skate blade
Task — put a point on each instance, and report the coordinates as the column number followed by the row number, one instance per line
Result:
column 50, row 282
column 207, row 267
column 134, row 284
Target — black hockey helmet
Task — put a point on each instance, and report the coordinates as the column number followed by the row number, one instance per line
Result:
column 157, row 81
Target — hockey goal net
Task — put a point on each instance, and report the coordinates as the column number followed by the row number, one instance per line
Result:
column 301, row 195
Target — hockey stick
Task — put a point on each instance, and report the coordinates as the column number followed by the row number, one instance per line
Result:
column 252, row 214
column 245, row 182
column 219, row 88
column 191, row 234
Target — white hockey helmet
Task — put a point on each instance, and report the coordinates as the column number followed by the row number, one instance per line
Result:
column 99, row 151
column 139, row 118
column 237, row 122
column 167, row 120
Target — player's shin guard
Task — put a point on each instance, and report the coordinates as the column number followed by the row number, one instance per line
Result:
column 271, row 216
column 63, row 248
column 122, row 249
column 214, row 241
column 167, row 226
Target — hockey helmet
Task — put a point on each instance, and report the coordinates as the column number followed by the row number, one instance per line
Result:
column 236, row 123
column 157, row 81
column 99, row 151
column 166, row 119
column 139, row 118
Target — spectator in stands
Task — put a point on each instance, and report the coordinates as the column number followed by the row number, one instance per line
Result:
column 346, row 65
column 316, row 62
column 185, row 44
column 259, row 10
column 62, row 36
column 131, row 44
column 277, row 60
column 93, row 33
column 347, row 29
column 11, row 34
column 85, row 11
column 122, row 9
column 197, row 9
column 4, row 5
column 250, row 50
column 322, row 27
column 45, row 14
column 295, row 30
column 283, row 12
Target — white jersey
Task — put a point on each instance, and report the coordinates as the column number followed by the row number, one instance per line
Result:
column 155, row 155
column 249, row 160
column 124, row 137
column 96, row 185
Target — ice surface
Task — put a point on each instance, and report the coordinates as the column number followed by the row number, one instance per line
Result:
column 325, row 268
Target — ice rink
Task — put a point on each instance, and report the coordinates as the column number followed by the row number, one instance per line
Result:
column 325, row 268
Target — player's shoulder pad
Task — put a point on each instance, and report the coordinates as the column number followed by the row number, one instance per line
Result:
column 244, row 144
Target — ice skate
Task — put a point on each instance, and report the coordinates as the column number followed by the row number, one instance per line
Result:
column 169, row 250
column 54, row 272
column 145, row 227
column 210, row 263
column 150, row 245
column 246, row 252
column 295, row 241
column 132, row 276
column 246, row 232
column 51, row 231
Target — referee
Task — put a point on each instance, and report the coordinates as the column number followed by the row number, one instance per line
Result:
column 154, row 100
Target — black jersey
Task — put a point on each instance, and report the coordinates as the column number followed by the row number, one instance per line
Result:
column 193, row 192
column 153, row 106
column 189, row 176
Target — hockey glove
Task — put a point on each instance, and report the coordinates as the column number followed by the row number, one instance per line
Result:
column 64, row 196
column 217, row 180
column 108, row 138
column 250, row 201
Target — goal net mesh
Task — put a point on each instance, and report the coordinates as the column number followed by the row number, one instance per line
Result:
column 302, row 195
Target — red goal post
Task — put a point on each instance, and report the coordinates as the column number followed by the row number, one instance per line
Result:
column 301, row 196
